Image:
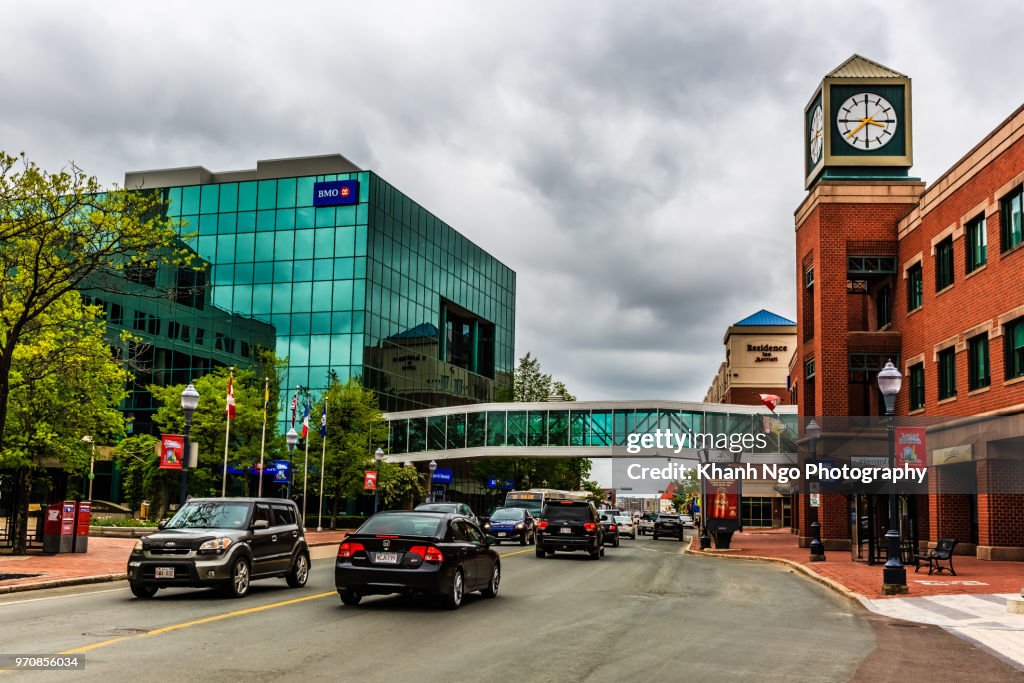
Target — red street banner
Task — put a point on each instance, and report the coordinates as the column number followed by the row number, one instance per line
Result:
column 910, row 447
column 172, row 451
column 370, row 481
column 723, row 499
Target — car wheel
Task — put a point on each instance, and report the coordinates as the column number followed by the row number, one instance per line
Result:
column 596, row 554
column 615, row 544
column 240, row 578
column 453, row 598
column 492, row 588
column 540, row 552
column 522, row 539
column 655, row 536
column 143, row 591
column 299, row 573
column 349, row 597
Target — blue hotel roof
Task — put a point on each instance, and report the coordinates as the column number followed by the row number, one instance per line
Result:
column 764, row 318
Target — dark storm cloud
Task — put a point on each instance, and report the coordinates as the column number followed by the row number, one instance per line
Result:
column 638, row 165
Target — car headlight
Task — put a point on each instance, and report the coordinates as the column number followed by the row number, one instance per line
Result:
column 519, row 526
column 138, row 547
column 487, row 525
column 216, row 545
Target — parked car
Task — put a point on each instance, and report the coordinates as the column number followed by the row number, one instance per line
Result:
column 223, row 542
column 569, row 525
column 687, row 521
column 611, row 530
column 454, row 508
column 645, row 524
column 508, row 524
column 418, row 552
column 668, row 525
column 626, row 526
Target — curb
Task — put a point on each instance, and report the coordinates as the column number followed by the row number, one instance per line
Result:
column 809, row 573
column 60, row 583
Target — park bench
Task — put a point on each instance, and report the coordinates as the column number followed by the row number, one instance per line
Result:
column 942, row 552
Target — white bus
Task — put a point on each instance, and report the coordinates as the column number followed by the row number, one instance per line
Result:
column 534, row 499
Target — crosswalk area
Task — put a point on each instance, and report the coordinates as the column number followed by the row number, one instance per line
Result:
column 981, row 619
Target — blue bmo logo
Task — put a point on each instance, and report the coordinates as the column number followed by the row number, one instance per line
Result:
column 336, row 193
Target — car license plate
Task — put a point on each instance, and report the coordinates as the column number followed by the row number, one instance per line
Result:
column 566, row 530
column 502, row 533
column 165, row 572
column 385, row 558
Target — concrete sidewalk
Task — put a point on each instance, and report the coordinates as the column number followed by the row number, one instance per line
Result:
column 105, row 561
column 971, row 604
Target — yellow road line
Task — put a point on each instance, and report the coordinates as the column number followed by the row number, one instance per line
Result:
column 196, row 622
column 518, row 552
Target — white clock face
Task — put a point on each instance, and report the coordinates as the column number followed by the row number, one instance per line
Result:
column 815, row 133
column 866, row 121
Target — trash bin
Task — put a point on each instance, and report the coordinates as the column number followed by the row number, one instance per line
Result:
column 59, row 527
column 83, row 518
column 144, row 510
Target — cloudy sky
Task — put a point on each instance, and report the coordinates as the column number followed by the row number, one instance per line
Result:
column 637, row 164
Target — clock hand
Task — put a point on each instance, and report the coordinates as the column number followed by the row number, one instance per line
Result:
column 863, row 122
column 875, row 123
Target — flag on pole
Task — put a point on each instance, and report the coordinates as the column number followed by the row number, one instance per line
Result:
column 305, row 421
column 770, row 400
column 295, row 406
column 266, row 398
column 230, row 408
column 323, row 421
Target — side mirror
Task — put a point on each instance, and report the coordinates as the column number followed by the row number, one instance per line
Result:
column 261, row 524
column 491, row 540
column 162, row 524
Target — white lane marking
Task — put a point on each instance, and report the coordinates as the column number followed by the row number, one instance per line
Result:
column 58, row 597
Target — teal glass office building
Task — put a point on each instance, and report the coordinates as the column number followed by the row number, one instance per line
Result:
column 369, row 284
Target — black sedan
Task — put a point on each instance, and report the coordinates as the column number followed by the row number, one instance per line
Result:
column 418, row 552
column 611, row 530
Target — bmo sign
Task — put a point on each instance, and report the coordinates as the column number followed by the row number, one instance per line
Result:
column 336, row 193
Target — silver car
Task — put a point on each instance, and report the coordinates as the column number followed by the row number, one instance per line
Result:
column 626, row 526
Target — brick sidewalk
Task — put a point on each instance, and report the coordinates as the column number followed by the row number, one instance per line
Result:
column 105, row 561
column 973, row 575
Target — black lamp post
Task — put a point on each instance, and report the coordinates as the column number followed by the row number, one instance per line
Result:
column 705, row 538
column 894, row 574
column 378, row 456
column 292, row 438
column 817, row 547
column 430, row 481
column 189, row 403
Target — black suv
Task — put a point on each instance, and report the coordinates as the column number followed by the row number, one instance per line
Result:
column 569, row 525
column 668, row 525
column 223, row 542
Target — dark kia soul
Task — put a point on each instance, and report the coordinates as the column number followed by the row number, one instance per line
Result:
column 224, row 542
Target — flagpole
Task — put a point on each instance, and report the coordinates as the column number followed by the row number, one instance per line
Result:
column 323, row 455
column 227, row 434
column 263, row 436
column 305, row 470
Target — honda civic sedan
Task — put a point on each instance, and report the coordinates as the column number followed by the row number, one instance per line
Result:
column 419, row 553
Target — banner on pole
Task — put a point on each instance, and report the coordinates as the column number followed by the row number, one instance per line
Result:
column 370, row 481
column 910, row 447
column 172, row 451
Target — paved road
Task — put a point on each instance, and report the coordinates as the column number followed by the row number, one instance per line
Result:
column 644, row 612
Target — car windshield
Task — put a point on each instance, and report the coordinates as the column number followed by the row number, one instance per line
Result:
column 439, row 507
column 212, row 515
column 508, row 513
column 622, row 519
column 403, row 524
column 567, row 513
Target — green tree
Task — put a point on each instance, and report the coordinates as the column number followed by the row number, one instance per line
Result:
column 355, row 429
column 63, row 384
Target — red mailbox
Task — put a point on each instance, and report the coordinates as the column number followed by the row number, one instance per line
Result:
column 59, row 527
column 83, row 518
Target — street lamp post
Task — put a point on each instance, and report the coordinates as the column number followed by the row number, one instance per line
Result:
column 705, row 538
column 378, row 456
column 894, row 574
column 817, row 547
column 292, row 437
column 92, row 462
column 189, row 403
column 430, row 481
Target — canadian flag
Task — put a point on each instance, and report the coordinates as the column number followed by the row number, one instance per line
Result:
column 230, row 409
column 770, row 400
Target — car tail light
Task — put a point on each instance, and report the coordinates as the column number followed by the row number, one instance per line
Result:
column 611, row 528
column 428, row 552
column 543, row 524
column 347, row 550
column 589, row 526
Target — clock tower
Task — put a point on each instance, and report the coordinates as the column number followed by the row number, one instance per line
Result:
column 858, row 125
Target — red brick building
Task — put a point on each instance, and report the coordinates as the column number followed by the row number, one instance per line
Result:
column 931, row 277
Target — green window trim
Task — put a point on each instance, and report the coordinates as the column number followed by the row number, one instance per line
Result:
column 915, row 287
column 976, row 241
column 917, row 386
column 978, row 374
column 947, row 373
column 1011, row 208
column 944, row 264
